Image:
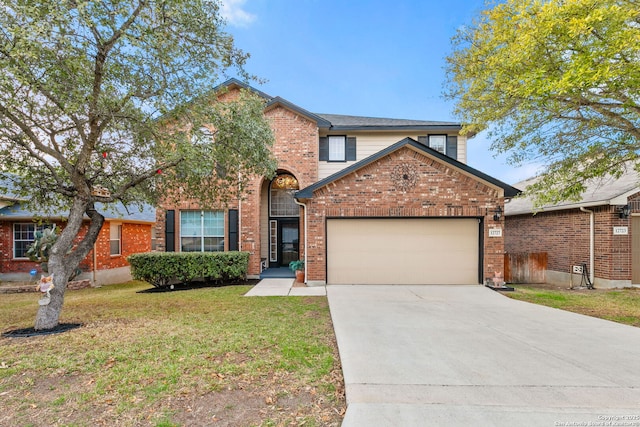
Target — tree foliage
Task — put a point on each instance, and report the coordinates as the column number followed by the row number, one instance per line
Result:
column 555, row 81
column 113, row 95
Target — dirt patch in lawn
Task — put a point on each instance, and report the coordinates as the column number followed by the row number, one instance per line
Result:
column 274, row 402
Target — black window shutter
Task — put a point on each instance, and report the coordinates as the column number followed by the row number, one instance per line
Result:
column 423, row 140
column 324, row 149
column 233, row 229
column 351, row 148
column 170, row 231
column 452, row 147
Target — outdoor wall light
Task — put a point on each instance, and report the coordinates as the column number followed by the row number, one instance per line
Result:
column 624, row 211
column 497, row 214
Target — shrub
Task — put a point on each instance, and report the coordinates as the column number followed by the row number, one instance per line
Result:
column 164, row 268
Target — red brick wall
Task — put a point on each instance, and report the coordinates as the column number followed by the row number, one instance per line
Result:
column 439, row 191
column 564, row 235
column 295, row 147
column 135, row 238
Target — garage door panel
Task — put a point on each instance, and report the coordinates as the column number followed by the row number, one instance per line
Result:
column 402, row 251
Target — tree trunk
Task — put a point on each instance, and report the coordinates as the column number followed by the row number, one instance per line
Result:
column 49, row 315
column 63, row 261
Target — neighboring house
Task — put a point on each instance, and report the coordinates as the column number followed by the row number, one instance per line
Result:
column 601, row 232
column 361, row 199
column 125, row 231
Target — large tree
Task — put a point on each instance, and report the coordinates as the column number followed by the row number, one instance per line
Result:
column 116, row 95
column 555, row 82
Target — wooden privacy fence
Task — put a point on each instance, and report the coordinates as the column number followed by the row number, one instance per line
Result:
column 525, row 267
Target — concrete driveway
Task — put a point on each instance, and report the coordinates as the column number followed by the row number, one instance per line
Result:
column 468, row 356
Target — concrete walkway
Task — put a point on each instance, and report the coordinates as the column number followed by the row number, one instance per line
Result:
column 468, row 356
column 284, row 287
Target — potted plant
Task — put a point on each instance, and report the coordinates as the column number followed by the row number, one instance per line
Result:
column 298, row 268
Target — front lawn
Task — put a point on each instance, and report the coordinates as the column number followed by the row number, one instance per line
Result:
column 618, row 305
column 205, row 356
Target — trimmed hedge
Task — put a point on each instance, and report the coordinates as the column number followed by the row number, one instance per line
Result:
column 165, row 268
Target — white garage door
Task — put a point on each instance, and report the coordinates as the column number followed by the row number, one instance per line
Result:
column 402, row 251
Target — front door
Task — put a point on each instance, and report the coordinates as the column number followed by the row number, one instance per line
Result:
column 284, row 221
column 289, row 242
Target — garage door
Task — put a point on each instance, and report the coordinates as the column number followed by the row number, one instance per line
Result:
column 402, row 251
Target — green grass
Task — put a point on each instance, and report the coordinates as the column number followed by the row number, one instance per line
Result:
column 618, row 305
column 137, row 351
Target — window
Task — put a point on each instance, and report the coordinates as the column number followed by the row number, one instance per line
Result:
column 23, row 236
column 203, row 140
column 201, row 231
column 445, row 144
column 154, row 238
column 202, row 137
column 115, row 239
column 281, row 201
column 337, row 149
column 438, row 143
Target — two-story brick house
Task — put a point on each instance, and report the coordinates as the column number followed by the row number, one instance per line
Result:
column 362, row 200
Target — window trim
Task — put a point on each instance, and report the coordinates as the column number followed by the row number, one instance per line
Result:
column 35, row 226
column 444, row 135
column 202, row 235
column 344, row 149
column 118, row 226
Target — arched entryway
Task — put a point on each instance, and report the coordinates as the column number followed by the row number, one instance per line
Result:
column 284, row 221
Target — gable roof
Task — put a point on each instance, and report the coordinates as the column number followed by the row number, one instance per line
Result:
column 307, row 193
column 605, row 191
column 339, row 122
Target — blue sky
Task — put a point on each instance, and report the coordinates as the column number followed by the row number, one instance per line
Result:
column 367, row 58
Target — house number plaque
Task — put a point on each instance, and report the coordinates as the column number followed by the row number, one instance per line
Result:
column 495, row 232
column 620, row 231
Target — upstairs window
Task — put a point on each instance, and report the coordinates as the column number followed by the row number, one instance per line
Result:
column 337, row 148
column 438, row 143
column 445, row 144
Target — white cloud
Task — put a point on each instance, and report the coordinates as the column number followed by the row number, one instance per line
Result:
column 232, row 11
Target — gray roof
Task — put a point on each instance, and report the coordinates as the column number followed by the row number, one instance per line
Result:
column 116, row 211
column 605, row 191
column 18, row 210
column 307, row 193
column 345, row 122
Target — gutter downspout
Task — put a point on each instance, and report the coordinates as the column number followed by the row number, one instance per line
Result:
column 95, row 265
column 240, row 216
column 305, row 236
column 591, row 243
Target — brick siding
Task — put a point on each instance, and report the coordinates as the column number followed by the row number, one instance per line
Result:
column 135, row 238
column 564, row 235
column 440, row 191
